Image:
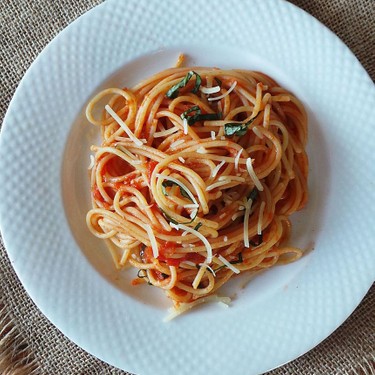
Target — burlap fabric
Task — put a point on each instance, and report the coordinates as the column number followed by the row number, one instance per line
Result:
column 29, row 343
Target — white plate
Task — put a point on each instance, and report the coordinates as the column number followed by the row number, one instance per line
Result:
column 44, row 187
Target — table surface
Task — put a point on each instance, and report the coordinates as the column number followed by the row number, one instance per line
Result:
column 29, row 343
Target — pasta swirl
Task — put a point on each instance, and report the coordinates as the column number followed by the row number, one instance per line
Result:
column 196, row 177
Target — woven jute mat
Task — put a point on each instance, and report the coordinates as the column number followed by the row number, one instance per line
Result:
column 29, row 343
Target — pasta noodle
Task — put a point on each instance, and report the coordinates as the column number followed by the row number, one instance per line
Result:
column 196, row 177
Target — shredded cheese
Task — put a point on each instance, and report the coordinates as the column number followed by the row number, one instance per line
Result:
column 217, row 184
column 213, row 135
column 197, row 234
column 208, row 267
column 209, row 90
column 229, row 265
column 193, row 213
column 231, row 178
column 201, row 150
column 199, row 276
column 237, row 159
column 217, row 168
column 253, row 176
column 225, row 94
column 154, row 244
column 135, row 161
column 185, row 125
column 193, row 205
column 181, row 159
column 125, row 127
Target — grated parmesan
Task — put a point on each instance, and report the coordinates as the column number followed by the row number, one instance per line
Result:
column 154, row 244
column 209, row 90
column 199, row 276
column 185, row 125
column 225, row 94
column 125, row 127
column 217, row 168
column 229, row 265
column 217, row 184
column 237, row 159
column 201, row 150
column 253, row 176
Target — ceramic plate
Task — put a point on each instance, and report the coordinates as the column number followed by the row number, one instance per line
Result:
column 44, row 187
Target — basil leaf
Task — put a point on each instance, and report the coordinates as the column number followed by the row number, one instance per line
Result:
column 253, row 194
column 235, row 128
column 198, row 81
column 167, row 183
column 174, row 90
column 198, row 115
column 175, row 221
column 198, row 226
column 218, row 81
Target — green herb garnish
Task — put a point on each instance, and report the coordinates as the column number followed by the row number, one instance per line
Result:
column 198, row 226
column 198, row 115
column 236, row 128
column 253, row 194
column 175, row 222
column 174, row 90
column 167, row 183
column 218, row 81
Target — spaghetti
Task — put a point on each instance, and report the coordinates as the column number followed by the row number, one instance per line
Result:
column 196, row 177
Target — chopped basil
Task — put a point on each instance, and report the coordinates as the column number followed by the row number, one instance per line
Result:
column 198, row 226
column 167, row 183
column 233, row 128
column 198, row 115
column 218, row 81
column 198, row 81
column 236, row 128
column 253, row 194
column 175, row 222
column 174, row 90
